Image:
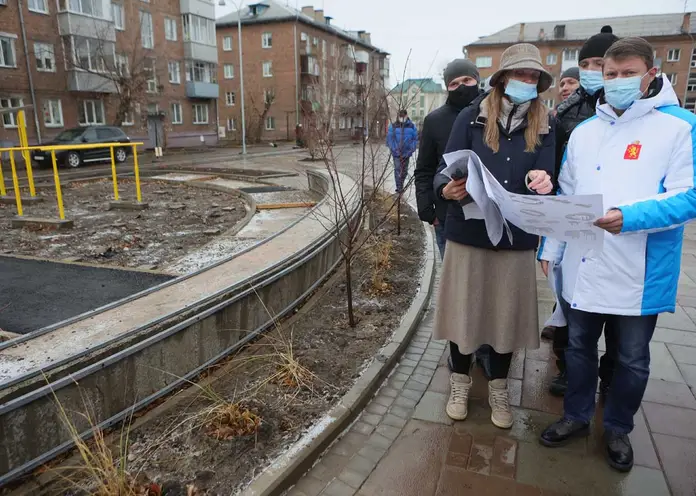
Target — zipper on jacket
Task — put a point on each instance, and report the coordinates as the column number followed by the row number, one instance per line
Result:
column 509, row 121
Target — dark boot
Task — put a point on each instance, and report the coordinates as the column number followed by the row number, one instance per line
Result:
column 562, row 431
column 559, row 384
column 619, row 451
column 603, row 390
column 547, row 332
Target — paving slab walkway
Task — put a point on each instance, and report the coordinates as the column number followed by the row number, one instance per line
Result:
column 403, row 444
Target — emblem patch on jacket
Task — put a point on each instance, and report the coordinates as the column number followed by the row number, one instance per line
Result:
column 633, row 151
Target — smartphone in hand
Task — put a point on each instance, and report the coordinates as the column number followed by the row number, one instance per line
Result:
column 457, row 175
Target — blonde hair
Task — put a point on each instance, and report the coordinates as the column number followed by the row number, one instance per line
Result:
column 535, row 115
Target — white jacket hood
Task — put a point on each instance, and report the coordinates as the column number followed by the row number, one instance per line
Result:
column 639, row 108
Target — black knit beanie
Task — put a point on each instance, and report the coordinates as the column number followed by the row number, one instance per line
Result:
column 573, row 72
column 598, row 44
column 458, row 68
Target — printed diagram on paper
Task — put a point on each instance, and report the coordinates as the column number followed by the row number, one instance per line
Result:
column 565, row 218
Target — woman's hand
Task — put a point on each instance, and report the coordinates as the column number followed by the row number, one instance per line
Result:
column 612, row 221
column 545, row 267
column 540, row 182
column 455, row 190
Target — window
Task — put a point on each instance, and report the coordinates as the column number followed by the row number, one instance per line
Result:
column 672, row 78
column 200, row 114
column 270, row 123
column 315, row 41
column 693, row 58
column 551, row 59
column 199, row 29
column 177, row 117
column 151, row 75
column 201, row 72
column 690, row 104
column 550, row 103
column 146, row 36
column 230, row 98
column 268, row 69
column 9, row 119
column 90, row 112
column 227, row 43
column 422, row 101
column 38, row 6
column 484, row 61
column 333, row 49
column 45, row 58
column 341, row 122
column 7, row 51
column 122, row 64
column 229, row 71
column 304, row 37
column 266, row 40
column 174, row 72
column 86, row 7
column 231, row 124
column 118, row 15
column 128, row 119
column 153, row 109
column 553, row 82
column 673, row 55
column 268, row 96
column 170, row 29
column 570, row 55
column 87, row 54
column 691, row 84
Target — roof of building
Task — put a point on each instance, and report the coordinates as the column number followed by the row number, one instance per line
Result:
column 426, row 85
column 581, row 29
column 273, row 11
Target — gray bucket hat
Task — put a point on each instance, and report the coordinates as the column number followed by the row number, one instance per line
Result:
column 523, row 56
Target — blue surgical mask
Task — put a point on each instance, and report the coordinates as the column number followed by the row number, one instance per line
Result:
column 520, row 92
column 620, row 93
column 591, row 81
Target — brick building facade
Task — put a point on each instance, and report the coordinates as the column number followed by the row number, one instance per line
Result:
column 298, row 68
column 671, row 35
column 75, row 49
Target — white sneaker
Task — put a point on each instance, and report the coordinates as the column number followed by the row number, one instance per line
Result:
column 501, row 414
column 457, row 406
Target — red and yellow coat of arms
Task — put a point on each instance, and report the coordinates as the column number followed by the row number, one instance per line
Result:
column 633, row 151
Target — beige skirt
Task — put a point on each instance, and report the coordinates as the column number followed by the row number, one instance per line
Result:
column 487, row 297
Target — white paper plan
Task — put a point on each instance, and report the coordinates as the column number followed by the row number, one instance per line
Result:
column 565, row 218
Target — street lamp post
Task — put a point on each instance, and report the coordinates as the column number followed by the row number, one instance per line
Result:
column 241, row 70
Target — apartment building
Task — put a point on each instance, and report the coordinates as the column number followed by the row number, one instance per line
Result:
column 559, row 43
column 297, row 65
column 149, row 66
column 418, row 97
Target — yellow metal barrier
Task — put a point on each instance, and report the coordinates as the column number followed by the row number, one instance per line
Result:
column 24, row 143
column 25, row 151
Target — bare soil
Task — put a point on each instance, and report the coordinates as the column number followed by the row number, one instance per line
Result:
column 179, row 219
column 182, row 448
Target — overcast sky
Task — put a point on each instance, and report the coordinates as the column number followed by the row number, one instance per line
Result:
column 434, row 31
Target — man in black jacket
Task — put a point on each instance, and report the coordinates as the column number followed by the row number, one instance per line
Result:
column 578, row 107
column 462, row 79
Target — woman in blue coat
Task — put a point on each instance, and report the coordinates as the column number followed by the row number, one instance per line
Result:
column 488, row 293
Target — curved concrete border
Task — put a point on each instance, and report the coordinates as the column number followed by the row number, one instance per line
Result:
column 152, row 360
column 290, row 466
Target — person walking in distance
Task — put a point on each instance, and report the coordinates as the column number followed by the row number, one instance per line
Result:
column 462, row 79
column 402, row 140
column 639, row 152
column 578, row 107
column 570, row 81
column 488, row 292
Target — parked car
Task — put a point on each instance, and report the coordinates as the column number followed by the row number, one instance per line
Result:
column 85, row 135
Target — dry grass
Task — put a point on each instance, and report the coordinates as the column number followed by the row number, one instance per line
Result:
column 379, row 255
column 227, row 420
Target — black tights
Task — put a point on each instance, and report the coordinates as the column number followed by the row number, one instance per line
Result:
column 499, row 363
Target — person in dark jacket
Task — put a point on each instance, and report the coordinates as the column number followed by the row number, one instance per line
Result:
column 578, row 107
column 462, row 79
column 402, row 140
column 570, row 81
column 488, row 292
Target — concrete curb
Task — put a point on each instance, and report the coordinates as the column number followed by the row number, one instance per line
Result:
column 290, row 466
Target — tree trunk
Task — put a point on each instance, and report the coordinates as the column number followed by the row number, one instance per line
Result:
column 349, row 292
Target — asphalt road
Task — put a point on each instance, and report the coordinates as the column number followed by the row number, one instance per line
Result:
column 36, row 294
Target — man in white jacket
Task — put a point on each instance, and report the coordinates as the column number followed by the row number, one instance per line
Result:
column 639, row 152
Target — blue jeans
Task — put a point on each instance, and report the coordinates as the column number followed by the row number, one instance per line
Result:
column 440, row 239
column 633, row 335
column 400, row 172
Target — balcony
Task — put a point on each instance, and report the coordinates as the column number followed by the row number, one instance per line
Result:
column 198, row 51
column 198, row 7
column 88, row 81
column 195, row 89
column 89, row 27
column 384, row 72
column 309, row 66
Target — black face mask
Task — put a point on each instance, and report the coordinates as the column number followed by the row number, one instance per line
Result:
column 463, row 95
